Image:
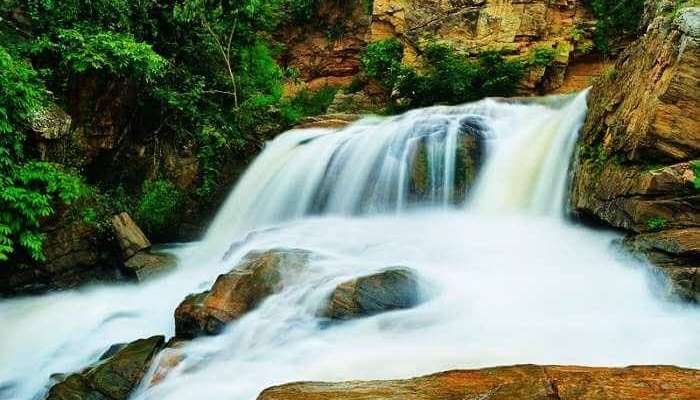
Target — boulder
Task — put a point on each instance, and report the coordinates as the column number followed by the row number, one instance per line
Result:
column 392, row 289
column 113, row 377
column 130, row 237
column 521, row 382
column 235, row 293
column 147, row 263
column 51, row 122
column 677, row 253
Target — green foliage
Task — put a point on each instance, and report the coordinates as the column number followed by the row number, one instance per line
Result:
column 448, row 77
column 657, row 223
column 117, row 53
column 542, row 56
column 29, row 190
column 369, row 6
column 615, row 19
column 308, row 103
column 381, row 60
column 302, row 10
column 159, row 207
column 696, row 171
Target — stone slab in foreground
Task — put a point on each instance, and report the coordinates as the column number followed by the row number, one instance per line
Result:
column 522, row 382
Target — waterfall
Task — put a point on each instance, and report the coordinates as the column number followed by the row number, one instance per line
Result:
column 470, row 197
column 368, row 167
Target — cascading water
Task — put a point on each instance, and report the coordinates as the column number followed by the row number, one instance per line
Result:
column 508, row 280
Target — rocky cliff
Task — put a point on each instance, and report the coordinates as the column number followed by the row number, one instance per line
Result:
column 637, row 167
column 328, row 51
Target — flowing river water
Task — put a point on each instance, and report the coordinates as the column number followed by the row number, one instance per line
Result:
column 506, row 278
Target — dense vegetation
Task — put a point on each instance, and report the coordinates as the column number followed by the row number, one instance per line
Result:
column 206, row 78
column 447, row 77
column 616, row 20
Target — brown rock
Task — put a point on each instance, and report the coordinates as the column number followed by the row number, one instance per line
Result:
column 634, row 170
column 113, row 378
column 522, row 382
column 131, row 238
column 259, row 275
column 392, row 289
column 146, row 263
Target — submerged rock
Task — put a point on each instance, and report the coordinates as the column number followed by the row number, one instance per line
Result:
column 393, row 289
column 112, row 378
column 521, row 382
column 235, row 293
column 147, row 263
column 426, row 177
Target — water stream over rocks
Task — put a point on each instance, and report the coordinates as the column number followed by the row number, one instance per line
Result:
column 472, row 198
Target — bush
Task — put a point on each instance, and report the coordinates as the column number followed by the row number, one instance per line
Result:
column 615, row 19
column 29, row 190
column 451, row 78
column 119, row 54
column 657, row 223
column 381, row 60
column 308, row 103
column 159, row 208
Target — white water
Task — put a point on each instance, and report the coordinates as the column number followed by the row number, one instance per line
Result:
column 506, row 278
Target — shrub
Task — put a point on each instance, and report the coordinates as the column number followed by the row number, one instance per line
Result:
column 542, row 56
column 159, row 207
column 29, row 190
column 657, row 223
column 381, row 60
column 117, row 53
column 451, row 78
column 696, row 171
column 615, row 19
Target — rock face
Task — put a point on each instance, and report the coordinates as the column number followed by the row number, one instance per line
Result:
column 635, row 168
column 392, row 289
column 112, row 378
column 74, row 255
column 327, row 50
column 259, row 275
column 522, row 382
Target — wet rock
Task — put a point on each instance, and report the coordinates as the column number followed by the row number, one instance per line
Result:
column 235, row 293
column 113, row 378
column 338, row 120
column 148, row 263
column 522, row 382
column 677, row 253
column 131, row 238
column 423, row 185
column 75, row 255
column 392, row 289
column 634, row 169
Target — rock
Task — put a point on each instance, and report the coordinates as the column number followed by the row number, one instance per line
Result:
column 51, row 122
column 131, row 238
column 235, row 293
column 75, row 255
column 113, row 378
column 392, row 289
column 634, row 168
column 468, row 160
column 521, row 382
column 333, row 121
column 677, row 253
column 147, row 263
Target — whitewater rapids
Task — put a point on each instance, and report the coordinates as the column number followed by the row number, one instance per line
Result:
column 507, row 279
